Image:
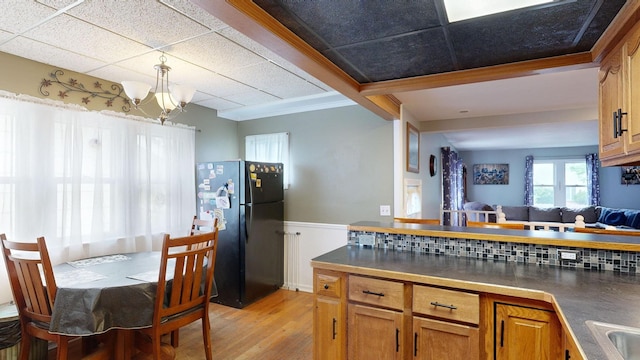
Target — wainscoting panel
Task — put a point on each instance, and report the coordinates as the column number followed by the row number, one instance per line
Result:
column 303, row 242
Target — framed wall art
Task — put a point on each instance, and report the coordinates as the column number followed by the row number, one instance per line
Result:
column 413, row 149
column 490, row 174
column 630, row 175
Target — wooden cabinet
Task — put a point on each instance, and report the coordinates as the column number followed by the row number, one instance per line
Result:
column 329, row 316
column 523, row 332
column 444, row 339
column 361, row 317
column 438, row 340
column 375, row 318
column 570, row 348
column 375, row 333
column 619, row 110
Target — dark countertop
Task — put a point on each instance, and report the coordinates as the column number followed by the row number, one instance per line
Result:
column 579, row 295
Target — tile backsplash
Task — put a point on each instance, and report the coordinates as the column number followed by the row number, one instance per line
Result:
column 591, row 259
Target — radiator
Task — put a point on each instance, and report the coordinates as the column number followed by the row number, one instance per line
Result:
column 39, row 351
column 292, row 254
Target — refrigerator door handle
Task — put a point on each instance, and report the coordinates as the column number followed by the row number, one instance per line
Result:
column 247, row 223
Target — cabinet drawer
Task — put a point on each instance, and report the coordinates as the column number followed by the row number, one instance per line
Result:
column 328, row 285
column 389, row 294
column 447, row 304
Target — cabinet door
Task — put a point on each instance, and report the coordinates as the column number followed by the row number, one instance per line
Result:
column 328, row 329
column 438, row 340
column 524, row 333
column 571, row 351
column 631, row 121
column 611, row 95
column 374, row 333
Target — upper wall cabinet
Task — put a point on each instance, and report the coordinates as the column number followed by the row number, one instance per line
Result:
column 620, row 103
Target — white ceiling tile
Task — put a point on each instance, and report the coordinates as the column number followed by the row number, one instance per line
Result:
column 252, row 97
column 248, row 43
column 221, row 86
column 196, row 13
column 147, row 22
column 5, row 36
column 79, row 37
column 118, row 74
column 19, row 15
column 276, row 81
column 219, row 104
column 216, row 53
column 47, row 54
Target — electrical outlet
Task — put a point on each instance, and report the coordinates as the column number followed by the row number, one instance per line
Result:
column 385, row 210
column 569, row 255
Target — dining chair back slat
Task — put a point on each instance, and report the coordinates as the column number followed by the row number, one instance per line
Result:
column 34, row 288
column 193, row 258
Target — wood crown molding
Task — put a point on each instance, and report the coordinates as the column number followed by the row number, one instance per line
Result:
column 251, row 20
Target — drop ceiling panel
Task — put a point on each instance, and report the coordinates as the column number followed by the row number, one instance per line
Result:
column 196, row 13
column 216, row 53
column 64, row 32
column 18, row 16
column 405, row 56
column 352, row 22
column 247, row 43
column 139, row 20
column 219, row 104
column 275, row 81
column 47, row 54
column 144, row 64
column 251, row 98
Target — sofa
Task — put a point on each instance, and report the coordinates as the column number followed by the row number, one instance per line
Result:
column 594, row 216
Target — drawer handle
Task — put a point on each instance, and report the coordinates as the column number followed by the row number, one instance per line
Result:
column 436, row 304
column 326, row 286
column 334, row 328
column 372, row 293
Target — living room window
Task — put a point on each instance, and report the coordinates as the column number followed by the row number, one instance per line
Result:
column 560, row 182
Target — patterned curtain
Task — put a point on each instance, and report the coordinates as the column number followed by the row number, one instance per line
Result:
column 452, row 185
column 528, row 180
column 593, row 182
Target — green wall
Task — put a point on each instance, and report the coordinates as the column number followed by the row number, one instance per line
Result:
column 341, row 163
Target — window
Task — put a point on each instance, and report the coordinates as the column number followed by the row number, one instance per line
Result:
column 79, row 177
column 269, row 148
column 560, row 182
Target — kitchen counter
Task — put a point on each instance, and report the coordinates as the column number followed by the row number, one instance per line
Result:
column 577, row 295
column 537, row 237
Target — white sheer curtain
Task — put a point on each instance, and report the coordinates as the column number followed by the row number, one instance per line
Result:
column 92, row 183
column 269, row 148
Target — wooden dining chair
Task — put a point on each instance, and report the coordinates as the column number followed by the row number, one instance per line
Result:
column 189, row 290
column 34, row 295
column 606, row 232
column 417, row 221
column 199, row 226
column 488, row 225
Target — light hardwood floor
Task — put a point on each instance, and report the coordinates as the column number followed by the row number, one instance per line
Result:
column 277, row 327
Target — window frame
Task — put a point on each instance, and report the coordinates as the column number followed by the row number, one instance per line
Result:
column 559, row 185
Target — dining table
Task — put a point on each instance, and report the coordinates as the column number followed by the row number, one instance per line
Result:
column 107, row 293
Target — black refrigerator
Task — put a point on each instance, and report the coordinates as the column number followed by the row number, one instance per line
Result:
column 247, row 198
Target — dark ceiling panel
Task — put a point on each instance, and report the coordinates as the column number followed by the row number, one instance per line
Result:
column 404, row 56
column 343, row 22
column 376, row 40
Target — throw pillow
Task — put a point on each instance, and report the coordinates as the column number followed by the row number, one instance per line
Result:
column 613, row 217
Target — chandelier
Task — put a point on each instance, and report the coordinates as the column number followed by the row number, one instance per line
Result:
column 168, row 97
